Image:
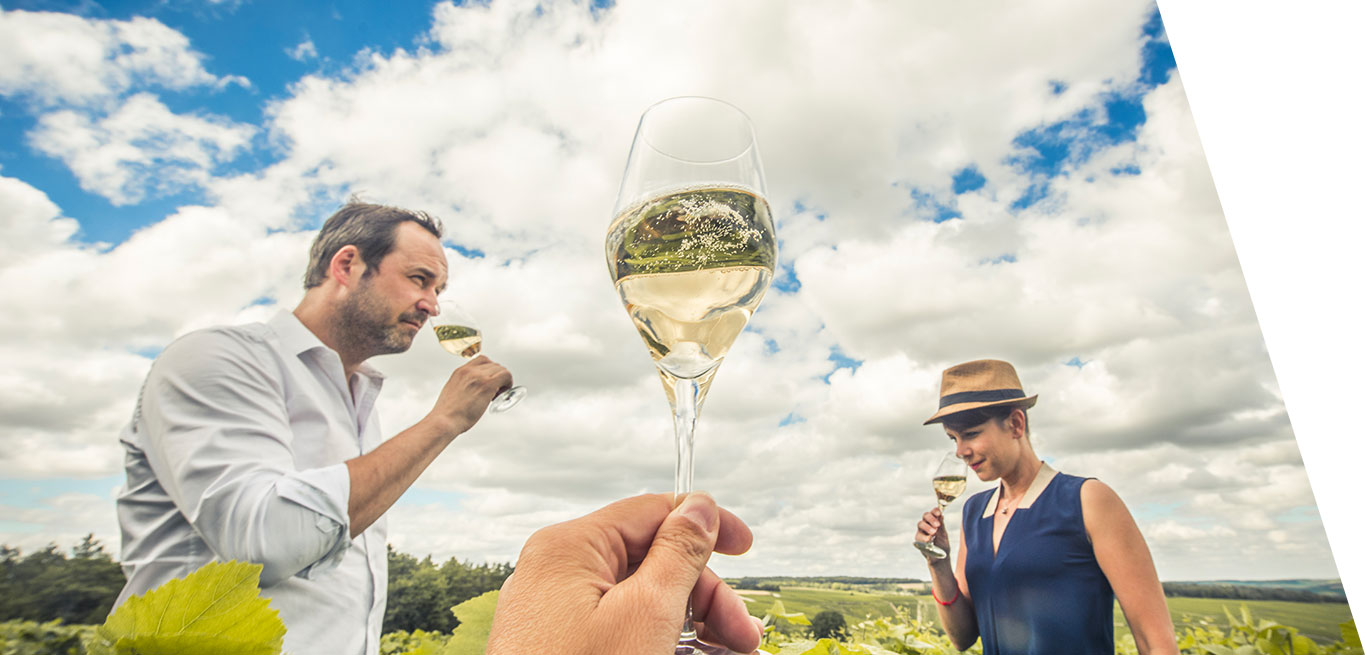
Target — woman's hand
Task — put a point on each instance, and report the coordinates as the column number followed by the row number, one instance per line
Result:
column 930, row 530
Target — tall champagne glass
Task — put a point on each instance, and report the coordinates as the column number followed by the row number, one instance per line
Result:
column 950, row 480
column 460, row 335
column 691, row 251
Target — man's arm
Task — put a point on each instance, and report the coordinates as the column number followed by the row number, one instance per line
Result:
column 379, row 477
column 214, row 426
column 216, row 432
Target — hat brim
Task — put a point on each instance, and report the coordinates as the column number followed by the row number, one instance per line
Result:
column 958, row 408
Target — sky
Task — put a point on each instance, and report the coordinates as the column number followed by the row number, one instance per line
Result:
column 949, row 182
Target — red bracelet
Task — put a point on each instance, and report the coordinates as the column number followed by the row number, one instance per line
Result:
column 954, row 600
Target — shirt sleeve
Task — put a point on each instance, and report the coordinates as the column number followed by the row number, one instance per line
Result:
column 217, row 434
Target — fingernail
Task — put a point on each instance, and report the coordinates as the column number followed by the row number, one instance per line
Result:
column 701, row 509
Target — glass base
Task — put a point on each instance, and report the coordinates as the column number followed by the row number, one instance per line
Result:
column 507, row 399
column 696, row 647
column 930, row 548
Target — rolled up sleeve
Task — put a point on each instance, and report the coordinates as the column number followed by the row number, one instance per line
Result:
column 218, row 436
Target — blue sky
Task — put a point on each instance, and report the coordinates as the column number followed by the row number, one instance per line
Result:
column 1008, row 198
column 253, row 40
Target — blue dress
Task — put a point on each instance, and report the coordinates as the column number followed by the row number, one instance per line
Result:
column 1043, row 592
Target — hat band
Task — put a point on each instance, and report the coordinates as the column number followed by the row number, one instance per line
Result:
column 990, row 396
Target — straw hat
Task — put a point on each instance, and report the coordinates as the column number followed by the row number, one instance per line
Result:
column 982, row 383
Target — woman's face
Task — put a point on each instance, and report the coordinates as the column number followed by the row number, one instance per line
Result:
column 990, row 448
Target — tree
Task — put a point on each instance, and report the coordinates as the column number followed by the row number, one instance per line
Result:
column 46, row 585
column 421, row 593
column 828, row 624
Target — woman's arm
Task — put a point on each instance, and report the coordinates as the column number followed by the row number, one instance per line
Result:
column 958, row 617
column 1127, row 563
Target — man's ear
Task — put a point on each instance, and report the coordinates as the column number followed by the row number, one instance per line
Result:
column 346, row 266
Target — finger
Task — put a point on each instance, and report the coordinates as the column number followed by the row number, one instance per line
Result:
column 735, row 537
column 722, row 615
column 680, row 549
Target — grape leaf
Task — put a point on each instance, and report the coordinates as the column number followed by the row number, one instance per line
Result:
column 1349, row 635
column 778, row 610
column 216, row 609
column 476, row 618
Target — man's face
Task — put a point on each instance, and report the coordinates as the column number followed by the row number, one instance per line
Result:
column 390, row 304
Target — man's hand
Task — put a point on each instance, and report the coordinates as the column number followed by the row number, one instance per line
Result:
column 616, row 582
column 467, row 393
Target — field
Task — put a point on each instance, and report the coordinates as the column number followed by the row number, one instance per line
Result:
column 1319, row 621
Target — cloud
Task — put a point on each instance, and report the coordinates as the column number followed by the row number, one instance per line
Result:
column 140, row 149
column 512, row 122
column 63, row 519
column 304, row 51
column 55, row 58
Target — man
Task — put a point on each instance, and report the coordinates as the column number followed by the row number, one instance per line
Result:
column 260, row 442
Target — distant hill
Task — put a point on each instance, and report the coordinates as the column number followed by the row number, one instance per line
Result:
column 1300, row 590
column 1317, row 586
column 1297, row 590
column 847, row 582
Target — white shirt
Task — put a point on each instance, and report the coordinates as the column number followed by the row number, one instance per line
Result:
column 237, row 451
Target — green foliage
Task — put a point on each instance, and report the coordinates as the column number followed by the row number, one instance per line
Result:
column 421, row 592
column 776, row 616
column 417, row 642
column 911, row 632
column 1246, row 635
column 47, row 585
column 756, row 584
column 828, row 625
column 216, row 609
column 50, row 638
column 476, row 618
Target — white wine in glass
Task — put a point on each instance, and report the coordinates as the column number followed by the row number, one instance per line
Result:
column 950, row 481
column 691, row 251
column 460, row 335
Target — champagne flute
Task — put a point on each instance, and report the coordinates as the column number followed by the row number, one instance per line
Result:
column 691, row 251
column 459, row 335
column 950, row 480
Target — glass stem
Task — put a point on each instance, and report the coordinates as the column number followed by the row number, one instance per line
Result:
column 684, row 426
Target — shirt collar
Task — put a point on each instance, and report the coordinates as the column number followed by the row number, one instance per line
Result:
column 296, row 339
column 1040, row 482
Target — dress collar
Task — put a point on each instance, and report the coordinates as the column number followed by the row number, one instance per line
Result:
column 1040, row 482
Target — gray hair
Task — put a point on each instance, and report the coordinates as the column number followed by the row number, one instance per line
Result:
column 368, row 227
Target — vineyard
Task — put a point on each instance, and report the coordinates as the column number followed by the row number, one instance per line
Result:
column 865, row 624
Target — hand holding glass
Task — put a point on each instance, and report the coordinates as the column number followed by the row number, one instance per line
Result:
column 460, row 335
column 691, row 251
column 950, row 480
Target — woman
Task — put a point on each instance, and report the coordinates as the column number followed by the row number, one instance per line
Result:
column 1044, row 554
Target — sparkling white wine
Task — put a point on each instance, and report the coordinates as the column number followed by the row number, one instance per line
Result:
column 691, row 266
column 459, row 340
column 949, row 487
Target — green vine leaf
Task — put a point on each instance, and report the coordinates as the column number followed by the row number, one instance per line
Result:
column 476, row 619
column 216, row 609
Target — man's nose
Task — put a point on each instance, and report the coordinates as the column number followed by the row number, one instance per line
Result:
column 430, row 304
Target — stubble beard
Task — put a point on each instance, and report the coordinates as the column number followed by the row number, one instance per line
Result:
column 364, row 324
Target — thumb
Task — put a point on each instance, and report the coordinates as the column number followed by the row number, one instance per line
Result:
column 681, row 547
